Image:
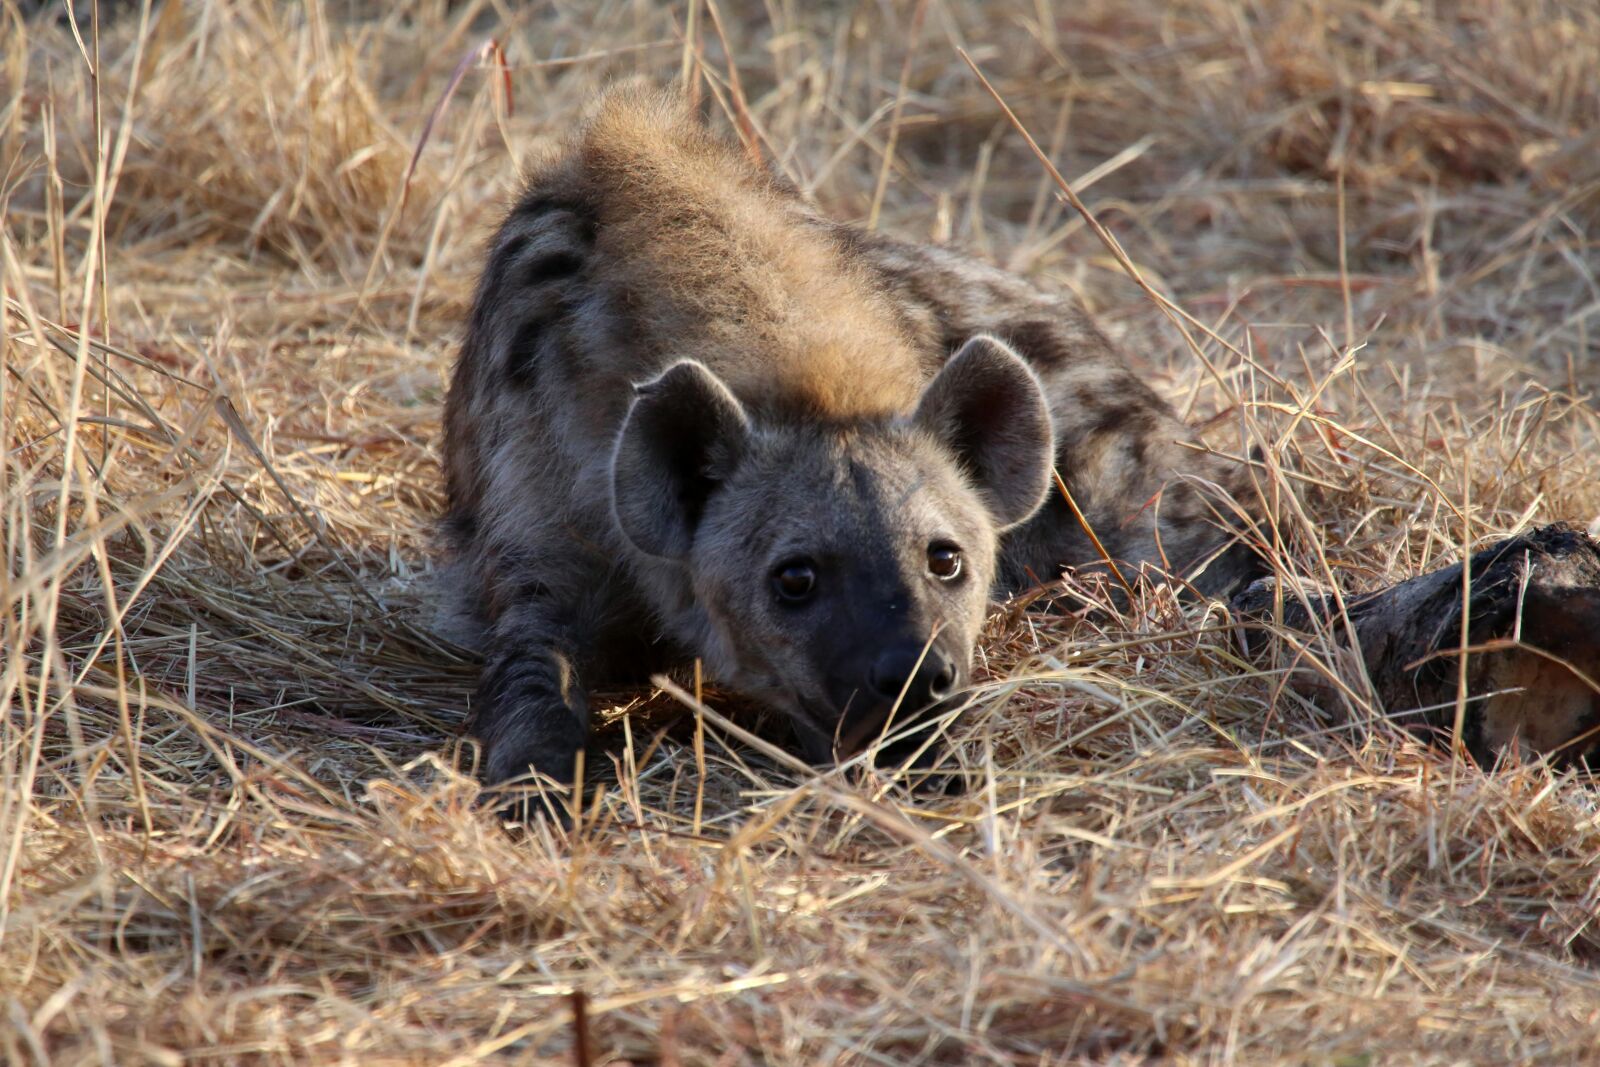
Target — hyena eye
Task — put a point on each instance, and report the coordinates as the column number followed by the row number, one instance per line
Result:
column 795, row 581
column 944, row 560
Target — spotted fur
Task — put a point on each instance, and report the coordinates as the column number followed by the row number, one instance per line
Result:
column 677, row 379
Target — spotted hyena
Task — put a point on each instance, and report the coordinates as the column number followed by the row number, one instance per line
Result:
column 693, row 418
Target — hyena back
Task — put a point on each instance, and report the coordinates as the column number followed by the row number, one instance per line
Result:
column 691, row 418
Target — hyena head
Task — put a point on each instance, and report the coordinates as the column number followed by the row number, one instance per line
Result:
column 844, row 569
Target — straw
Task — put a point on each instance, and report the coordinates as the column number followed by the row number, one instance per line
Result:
column 237, row 823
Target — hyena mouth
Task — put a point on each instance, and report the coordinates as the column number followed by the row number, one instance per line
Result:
column 904, row 732
column 815, row 738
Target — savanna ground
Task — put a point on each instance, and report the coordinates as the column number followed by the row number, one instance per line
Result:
column 236, row 824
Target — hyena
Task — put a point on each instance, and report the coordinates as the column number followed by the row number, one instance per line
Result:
column 694, row 418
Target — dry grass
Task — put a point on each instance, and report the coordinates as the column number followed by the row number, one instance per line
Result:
column 232, row 829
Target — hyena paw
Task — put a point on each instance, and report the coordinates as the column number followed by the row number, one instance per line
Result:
column 551, row 755
column 518, row 772
column 529, row 718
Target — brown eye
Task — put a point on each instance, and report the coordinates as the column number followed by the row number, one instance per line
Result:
column 795, row 581
column 944, row 560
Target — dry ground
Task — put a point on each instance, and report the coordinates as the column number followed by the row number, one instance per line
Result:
column 230, row 830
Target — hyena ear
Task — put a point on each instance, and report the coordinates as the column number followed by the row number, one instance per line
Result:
column 988, row 408
column 683, row 435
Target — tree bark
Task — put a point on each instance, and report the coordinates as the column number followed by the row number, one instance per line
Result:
column 1533, row 640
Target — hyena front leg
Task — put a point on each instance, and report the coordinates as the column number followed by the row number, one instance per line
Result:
column 531, row 712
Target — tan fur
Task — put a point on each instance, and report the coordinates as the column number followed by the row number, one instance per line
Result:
column 708, row 256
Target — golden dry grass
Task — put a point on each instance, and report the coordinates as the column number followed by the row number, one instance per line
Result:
column 232, row 826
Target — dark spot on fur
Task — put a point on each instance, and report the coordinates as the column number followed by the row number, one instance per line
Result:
column 529, row 589
column 1136, row 450
column 1086, row 397
column 504, row 269
column 1002, row 292
column 494, row 434
column 507, row 254
column 461, row 527
column 1038, row 341
column 1121, row 418
column 927, row 314
column 537, row 205
column 514, row 586
column 855, row 243
column 562, row 264
column 545, row 212
column 525, row 352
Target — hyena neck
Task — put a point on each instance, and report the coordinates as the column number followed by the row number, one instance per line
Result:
column 714, row 262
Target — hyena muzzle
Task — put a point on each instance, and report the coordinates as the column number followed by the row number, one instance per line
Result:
column 693, row 418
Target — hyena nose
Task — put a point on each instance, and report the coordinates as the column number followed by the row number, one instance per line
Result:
column 932, row 676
